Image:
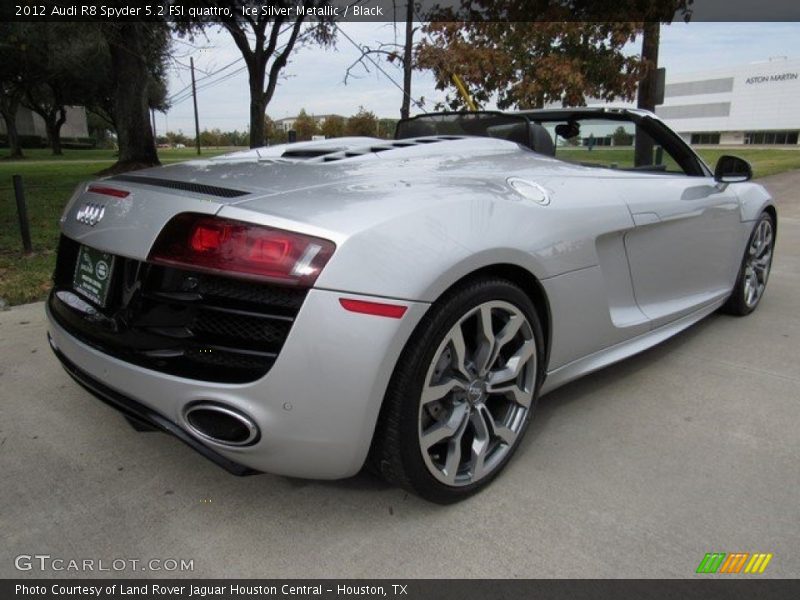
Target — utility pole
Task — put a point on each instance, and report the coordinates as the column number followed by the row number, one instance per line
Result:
column 407, row 57
column 647, row 90
column 194, row 99
column 153, row 119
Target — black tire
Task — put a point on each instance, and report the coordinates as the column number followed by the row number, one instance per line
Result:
column 737, row 303
column 396, row 451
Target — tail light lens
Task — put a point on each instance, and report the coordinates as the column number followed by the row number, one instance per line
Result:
column 241, row 249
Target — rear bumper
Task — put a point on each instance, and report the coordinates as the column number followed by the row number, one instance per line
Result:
column 142, row 415
column 316, row 408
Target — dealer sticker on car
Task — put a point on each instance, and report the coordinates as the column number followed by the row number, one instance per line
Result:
column 93, row 274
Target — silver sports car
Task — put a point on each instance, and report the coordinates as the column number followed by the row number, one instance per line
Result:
column 310, row 308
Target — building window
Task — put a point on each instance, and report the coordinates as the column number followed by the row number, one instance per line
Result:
column 771, row 137
column 597, row 141
column 705, row 138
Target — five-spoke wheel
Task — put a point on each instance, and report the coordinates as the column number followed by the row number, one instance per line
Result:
column 463, row 392
column 754, row 272
column 758, row 262
column 477, row 393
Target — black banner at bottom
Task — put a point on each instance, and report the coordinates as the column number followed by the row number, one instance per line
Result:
column 401, row 589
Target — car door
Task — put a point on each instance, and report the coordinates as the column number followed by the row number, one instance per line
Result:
column 683, row 250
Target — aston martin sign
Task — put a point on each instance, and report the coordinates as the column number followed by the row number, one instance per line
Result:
column 770, row 78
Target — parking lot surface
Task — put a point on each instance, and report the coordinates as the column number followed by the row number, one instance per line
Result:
column 635, row 471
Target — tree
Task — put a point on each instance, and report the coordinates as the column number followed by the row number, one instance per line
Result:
column 620, row 137
column 138, row 52
column 173, row 139
column 99, row 129
column 272, row 132
column 56, row 74
column 530, row 64
column 333, row 126
column 363, row 122
column 305, row 126
column 393, row 52
column 214, row 137
column 13, row 67
column 386, row 128
column 269, row 128
column 526, row 53
column 266, row 41
column 405, row 107
column 48, row 102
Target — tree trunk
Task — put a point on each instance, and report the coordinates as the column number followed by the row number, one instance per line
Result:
column 405, row 109
column 258, row 101
column 10, row 117
column 137, row 147
column 54, row 138
column 53, row 121
column 257, row 109
column 647, row 90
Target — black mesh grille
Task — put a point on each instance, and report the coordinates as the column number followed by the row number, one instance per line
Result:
column 222, row 358
column 246, row 291
column 180, row 322
column 238, row 327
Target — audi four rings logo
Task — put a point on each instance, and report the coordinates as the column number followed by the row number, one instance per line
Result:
column 91, row 213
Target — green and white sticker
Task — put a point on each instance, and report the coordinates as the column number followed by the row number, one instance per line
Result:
column 93, row 274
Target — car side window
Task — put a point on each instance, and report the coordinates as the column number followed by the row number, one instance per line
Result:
column 612, row 144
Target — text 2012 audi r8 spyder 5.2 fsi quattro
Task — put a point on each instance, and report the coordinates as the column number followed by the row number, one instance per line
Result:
column 308, row 308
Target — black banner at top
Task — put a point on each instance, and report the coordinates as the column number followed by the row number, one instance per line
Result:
column 395, row 10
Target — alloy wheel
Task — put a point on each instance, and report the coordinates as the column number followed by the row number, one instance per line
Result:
column 478, row 393
column 757, row 263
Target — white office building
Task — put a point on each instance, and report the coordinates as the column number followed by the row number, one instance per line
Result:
column 757, row 103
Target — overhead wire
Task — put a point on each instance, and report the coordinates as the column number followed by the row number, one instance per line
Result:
column 185, row 93
column 378, row 66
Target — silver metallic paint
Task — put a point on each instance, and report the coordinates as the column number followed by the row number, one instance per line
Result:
column 408, row 224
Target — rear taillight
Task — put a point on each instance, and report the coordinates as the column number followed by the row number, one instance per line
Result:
column 241, row 249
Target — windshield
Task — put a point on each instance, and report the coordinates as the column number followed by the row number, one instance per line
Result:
column 513, row 128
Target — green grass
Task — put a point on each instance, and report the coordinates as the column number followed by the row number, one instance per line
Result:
column 165, row 154
column 49, row 181
column 765, row 161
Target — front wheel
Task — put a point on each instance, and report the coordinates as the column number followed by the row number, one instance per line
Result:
column 462, row 393
column 754, row 271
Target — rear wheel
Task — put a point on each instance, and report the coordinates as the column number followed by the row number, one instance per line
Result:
column 754, row 271
column 463, row 392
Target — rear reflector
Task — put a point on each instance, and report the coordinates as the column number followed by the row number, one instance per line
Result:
column 240, row 249
column 379, row 309
column 108, row 191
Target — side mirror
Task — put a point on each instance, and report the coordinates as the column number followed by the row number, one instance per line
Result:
column 732, row 169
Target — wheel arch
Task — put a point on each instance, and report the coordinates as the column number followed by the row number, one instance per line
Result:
column 773, row 212
column 513, row 273
column 528, row 283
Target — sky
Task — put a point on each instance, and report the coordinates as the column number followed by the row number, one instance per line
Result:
column 314, row 78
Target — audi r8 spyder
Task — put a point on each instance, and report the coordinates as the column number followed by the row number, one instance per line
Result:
column 311, row 308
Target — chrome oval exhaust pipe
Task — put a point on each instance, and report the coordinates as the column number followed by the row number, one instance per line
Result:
column 222, row 425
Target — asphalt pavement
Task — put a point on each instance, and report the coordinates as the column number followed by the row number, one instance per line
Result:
column 638, row 470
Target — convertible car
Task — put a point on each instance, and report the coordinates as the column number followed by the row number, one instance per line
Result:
column 311, row 308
